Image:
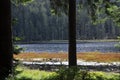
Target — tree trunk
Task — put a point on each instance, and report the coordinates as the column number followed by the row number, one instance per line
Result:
column 5, row 39
column 72, row 33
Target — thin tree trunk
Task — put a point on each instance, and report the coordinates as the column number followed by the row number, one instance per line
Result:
column 5, row 39
column 72, row 33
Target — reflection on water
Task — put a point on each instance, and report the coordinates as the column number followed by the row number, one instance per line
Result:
column 81, row 47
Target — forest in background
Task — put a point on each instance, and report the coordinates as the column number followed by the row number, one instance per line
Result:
column 36, row 22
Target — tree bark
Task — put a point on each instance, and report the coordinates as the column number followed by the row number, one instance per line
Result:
column 72, row 33
column 5, row 39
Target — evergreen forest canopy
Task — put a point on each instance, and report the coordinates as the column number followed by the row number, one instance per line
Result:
column 37, row 21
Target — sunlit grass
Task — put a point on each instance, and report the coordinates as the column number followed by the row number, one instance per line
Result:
column 29, row 74
column 88, row 56
column 63, row 74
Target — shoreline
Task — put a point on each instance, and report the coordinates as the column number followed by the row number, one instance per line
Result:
column 109, row 62
column 66, row 41
column 89, row 66
column 61, row 56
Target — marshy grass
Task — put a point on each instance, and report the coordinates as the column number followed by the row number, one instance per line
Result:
column 86, row 56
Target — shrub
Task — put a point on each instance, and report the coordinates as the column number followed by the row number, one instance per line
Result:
column 67, row 73
column 83, row 75
column 62, row 74
column 118, row 45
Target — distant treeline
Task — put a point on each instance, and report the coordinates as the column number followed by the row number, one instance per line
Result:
column 36, row 22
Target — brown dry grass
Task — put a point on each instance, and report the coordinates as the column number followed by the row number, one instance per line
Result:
column 89, row 56
column 100, row 57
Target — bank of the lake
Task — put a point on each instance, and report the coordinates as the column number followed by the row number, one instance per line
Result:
column 108, row 62
column 66, row 41
column 61, row 56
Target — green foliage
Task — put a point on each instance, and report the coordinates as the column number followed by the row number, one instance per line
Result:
column 62, row 74
column 118, row 45
column 95, row 76
column 67, row 74
column 114, row 13
column 102, row 10
column 24, row 73
column 85, row 75
column 16, row 2
column 17, row 49
column 59, row 6
column 14, row 21
column 16, row 39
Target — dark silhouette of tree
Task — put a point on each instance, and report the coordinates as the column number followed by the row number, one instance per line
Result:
column 63, row 7
column 72, row 33
column 5, row 39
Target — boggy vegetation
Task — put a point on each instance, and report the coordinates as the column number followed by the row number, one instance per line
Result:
column 88, row 56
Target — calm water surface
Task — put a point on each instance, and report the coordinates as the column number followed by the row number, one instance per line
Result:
column 81, row 47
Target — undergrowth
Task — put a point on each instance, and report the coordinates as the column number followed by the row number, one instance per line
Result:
column 62, row 74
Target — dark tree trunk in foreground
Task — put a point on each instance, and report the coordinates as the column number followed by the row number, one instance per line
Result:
column 5, row 39
column 72, row 33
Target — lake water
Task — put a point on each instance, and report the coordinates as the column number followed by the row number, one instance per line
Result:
column 81, row 47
